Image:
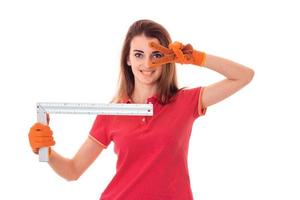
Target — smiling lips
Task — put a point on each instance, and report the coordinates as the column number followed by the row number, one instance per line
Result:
column 147, row 72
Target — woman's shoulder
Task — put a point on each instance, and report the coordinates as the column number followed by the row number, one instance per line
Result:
column 186, row 93
column 189, row 90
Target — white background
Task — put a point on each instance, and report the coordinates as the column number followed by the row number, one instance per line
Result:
column 246, row 147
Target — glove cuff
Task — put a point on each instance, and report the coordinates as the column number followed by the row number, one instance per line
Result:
column 199, row 58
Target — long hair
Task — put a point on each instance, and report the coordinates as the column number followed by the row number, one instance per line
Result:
column 167, row 83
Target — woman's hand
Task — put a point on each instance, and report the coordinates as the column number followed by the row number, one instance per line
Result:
column 40, row 135
column 177, row 53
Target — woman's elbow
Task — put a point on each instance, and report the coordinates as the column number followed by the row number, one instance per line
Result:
column 74, row 173
column 249, row 74
column 73, row 177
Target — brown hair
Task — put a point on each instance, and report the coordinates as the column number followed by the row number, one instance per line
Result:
column 167, row 83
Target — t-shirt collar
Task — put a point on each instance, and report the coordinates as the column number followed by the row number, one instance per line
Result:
column 152, row 100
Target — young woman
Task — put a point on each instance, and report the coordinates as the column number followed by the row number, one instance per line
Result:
column 152, row 151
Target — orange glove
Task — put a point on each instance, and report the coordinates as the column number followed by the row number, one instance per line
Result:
column 40, row 136
column 177, row 53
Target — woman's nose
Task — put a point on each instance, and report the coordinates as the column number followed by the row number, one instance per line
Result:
column 146, row 62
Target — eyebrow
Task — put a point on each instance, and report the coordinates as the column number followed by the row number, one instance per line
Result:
column 136, row 50
column 156, row 52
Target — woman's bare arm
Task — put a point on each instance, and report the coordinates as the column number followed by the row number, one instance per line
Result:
column 72, row 169
column 237, row 76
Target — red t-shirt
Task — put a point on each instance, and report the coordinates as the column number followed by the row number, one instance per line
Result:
column 152, row 150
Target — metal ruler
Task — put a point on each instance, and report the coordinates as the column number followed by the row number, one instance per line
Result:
column 87, row 108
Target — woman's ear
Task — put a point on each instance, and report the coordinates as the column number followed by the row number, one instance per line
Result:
column 128, row 62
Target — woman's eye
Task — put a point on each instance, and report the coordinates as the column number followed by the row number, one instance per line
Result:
column 138, row 55
column 157, row 55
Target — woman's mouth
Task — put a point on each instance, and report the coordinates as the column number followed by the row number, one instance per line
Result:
column 147, row 72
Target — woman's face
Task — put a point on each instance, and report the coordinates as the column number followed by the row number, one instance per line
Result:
column 139, row 56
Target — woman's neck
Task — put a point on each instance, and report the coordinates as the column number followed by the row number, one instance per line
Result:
column 141, row 93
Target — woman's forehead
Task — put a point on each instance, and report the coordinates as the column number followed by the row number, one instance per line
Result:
column 141, row 42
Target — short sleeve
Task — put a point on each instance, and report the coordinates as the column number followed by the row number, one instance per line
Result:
column 191, row 98
column 201, row 109
column 100, row 131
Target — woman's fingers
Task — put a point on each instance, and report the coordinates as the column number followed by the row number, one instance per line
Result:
column 160, row 48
